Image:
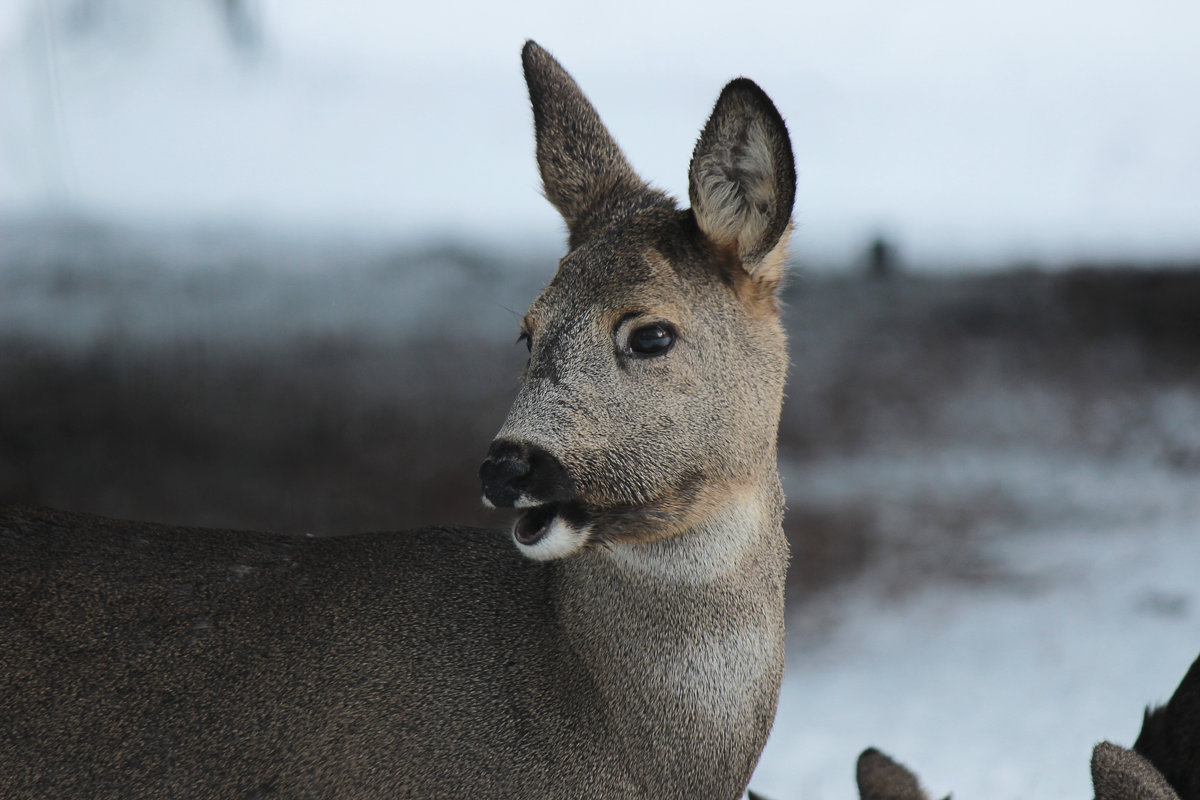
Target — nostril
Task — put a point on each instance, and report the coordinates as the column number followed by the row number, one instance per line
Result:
column 501, row 478
column 506, row 470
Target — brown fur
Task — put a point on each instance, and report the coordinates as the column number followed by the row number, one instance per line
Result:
column 147, row 661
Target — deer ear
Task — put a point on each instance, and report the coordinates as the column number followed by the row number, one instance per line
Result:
column 881, row 778
column 742, row 181
column 1118, row 774
column 584, row 173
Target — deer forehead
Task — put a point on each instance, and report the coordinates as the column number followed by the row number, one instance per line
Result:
column 611, row 286
column 604, row 289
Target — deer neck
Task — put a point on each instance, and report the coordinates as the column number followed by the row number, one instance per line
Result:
column 683, row 636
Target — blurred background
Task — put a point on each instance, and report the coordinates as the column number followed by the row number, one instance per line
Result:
column 262, row 262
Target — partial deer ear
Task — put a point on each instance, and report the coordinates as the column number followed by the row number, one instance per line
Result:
column 881, row 778
column 1120, row 774
column 742, row 181
column 584, row 173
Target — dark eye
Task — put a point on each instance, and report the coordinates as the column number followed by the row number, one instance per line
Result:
column 524, row 337
column 652, row 340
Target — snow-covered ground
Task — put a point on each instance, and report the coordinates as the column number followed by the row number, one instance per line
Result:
column 964, row 131
column 1030, row 643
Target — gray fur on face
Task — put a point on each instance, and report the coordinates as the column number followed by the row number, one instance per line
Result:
column 644, row 438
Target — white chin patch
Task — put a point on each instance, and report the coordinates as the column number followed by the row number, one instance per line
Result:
column 560, row 540
column 525, row 501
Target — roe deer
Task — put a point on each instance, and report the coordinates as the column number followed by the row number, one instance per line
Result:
column 1164, row 763
column 1117, row 774
column 629, row 645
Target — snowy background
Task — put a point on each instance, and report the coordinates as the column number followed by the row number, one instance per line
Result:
column 263, row 272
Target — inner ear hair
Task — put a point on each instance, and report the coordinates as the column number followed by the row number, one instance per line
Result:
column 742, row 180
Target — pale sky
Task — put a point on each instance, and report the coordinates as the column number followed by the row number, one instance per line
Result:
column 989, row 130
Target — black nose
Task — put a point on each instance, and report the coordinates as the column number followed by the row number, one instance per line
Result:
column 504, row 474
column 513, row 469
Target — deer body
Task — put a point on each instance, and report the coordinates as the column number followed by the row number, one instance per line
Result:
column 629, row 645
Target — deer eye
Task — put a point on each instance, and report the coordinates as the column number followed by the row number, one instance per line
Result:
column 524, row 337
column 652, row 340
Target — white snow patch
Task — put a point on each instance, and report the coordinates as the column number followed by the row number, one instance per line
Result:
column 996, row 688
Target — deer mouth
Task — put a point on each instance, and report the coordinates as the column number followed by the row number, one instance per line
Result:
column 535, row 523
column 553, row 530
